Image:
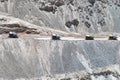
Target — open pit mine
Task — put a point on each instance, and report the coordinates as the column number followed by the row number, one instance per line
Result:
column 59, row 39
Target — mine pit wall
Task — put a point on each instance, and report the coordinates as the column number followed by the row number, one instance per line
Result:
column 31, row 58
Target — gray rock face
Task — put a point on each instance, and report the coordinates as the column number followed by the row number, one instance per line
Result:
column 27, row 58
column 32, row 58
column 94, row 16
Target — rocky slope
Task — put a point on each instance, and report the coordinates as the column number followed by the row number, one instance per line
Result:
column 29, row 58
column 9, row 23
column 82, row 16
column 34, row 58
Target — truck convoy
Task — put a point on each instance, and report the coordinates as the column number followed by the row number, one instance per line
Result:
column 57, row 37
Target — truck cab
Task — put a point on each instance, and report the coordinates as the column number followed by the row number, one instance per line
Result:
column 55, row 37
column 13, row 35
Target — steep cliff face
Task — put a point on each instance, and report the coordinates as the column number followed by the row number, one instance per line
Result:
column 82, row 16
column 33, row 58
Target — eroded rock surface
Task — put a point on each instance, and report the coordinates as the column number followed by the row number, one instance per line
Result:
column 94, row 16
column 34, row 58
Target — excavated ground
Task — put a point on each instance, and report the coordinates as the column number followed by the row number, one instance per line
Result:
column 30, row 58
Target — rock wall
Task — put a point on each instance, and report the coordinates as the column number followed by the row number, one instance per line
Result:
column 33, row 58
column 82, row 16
